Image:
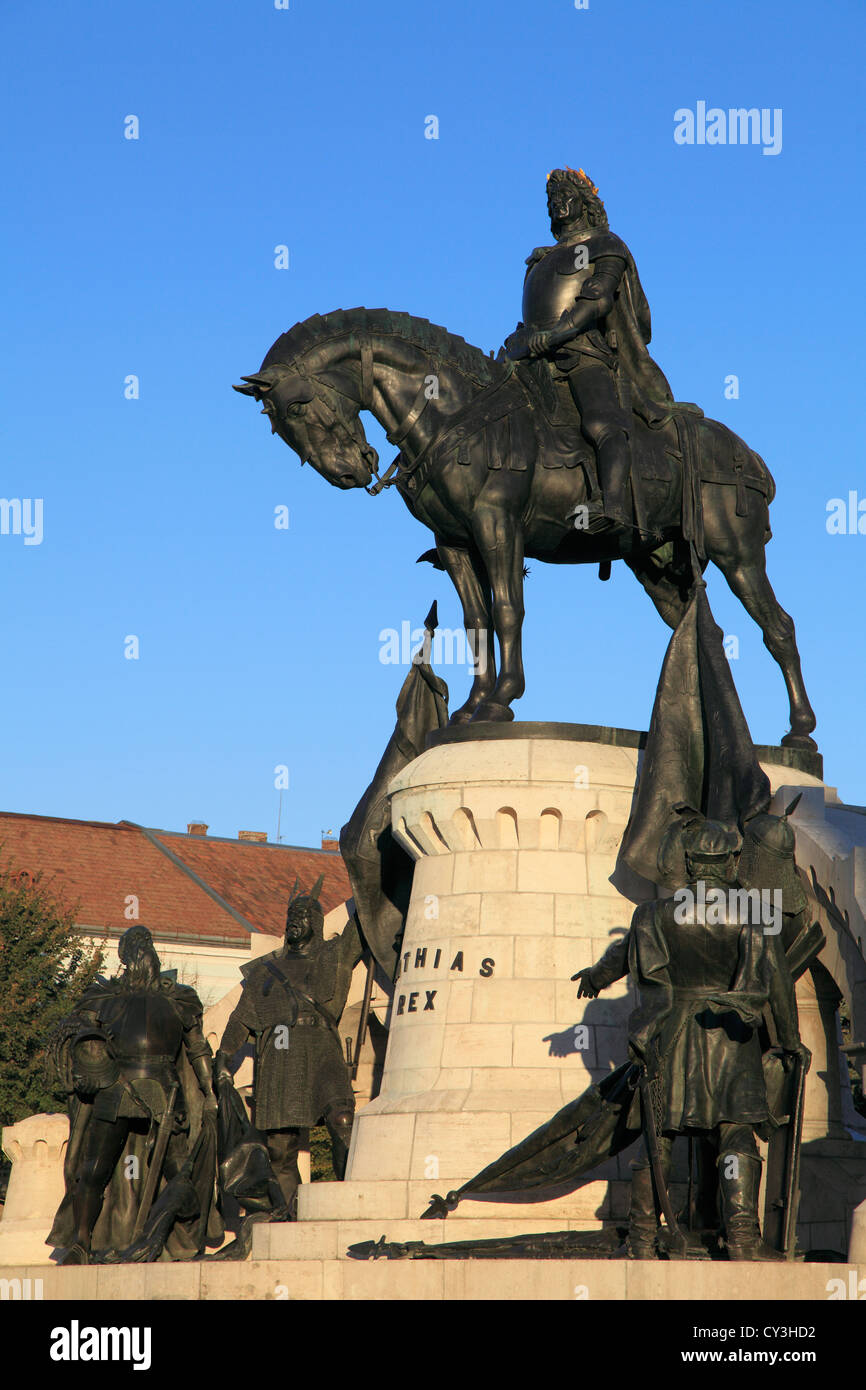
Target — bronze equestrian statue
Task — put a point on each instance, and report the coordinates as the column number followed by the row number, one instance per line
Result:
column 498, row 456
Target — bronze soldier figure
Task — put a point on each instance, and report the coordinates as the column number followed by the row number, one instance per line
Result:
column 126, row 1056
column 704, row 980
column 291, row 1004
column 585, row 311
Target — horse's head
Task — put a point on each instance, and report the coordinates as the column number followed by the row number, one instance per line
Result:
column 315, row 420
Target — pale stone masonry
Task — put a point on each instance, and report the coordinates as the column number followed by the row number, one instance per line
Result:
column 515, row 841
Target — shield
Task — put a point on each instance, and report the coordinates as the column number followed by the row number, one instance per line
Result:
column 93, row 1064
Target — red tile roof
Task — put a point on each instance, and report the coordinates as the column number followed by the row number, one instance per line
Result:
column 256, row 879
column 192, row 888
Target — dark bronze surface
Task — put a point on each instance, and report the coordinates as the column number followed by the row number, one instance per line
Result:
column 140, row 1166
column 291, row 1004
column 576, row 453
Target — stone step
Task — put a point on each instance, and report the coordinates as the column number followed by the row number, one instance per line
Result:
column 438, row 1280
column 330, row 1240
column 403, row 1200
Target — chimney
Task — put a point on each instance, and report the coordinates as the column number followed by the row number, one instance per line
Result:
column 330, row 844
column 256, row 837
column 196, row 827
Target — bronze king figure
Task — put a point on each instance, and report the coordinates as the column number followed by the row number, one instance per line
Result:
column 585, row 312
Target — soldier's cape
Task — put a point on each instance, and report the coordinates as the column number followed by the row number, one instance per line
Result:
column 196, row 1221
column 699, row 751
column 380, row 870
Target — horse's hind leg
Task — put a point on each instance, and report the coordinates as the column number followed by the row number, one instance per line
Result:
column 748, row 580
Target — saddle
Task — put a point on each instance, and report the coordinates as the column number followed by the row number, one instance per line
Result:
column 528, row 411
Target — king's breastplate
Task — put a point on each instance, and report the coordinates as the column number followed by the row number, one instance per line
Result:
column 145, row 1027
column 552, row 286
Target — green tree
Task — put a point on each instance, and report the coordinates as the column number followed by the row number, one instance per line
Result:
column 45, row 967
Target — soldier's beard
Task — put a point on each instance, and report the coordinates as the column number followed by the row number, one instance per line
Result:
column 298, row 942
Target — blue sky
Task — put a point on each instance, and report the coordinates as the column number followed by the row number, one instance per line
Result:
column 305, row 127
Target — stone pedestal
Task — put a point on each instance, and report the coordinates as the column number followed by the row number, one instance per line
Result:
column 515, row 839
column 36, row 1147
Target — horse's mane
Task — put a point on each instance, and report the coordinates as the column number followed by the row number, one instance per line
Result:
column 322, row 328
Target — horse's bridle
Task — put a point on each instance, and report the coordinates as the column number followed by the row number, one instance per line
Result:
column 416, row 410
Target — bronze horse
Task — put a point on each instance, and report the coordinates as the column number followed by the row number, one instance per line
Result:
column 488, row 464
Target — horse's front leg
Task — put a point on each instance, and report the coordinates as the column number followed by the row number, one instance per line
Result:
column 499, row 538
column 473, row 590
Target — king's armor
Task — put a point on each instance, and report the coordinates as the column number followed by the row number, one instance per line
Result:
column 584, row 311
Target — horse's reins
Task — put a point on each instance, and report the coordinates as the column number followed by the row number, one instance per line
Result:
column 416, row 410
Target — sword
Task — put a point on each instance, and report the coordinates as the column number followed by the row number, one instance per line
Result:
column 678, row 1240
column 792, row 1175
column 354, row 1061
column 154, row 1170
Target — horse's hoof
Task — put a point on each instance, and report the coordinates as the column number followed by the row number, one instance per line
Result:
column 800, row 741
column 461, row 716
column 488, row 712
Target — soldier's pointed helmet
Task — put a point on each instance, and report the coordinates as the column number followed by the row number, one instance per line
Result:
column 307, row 902
column 767, row 858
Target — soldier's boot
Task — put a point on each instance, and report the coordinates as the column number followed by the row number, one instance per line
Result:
column 740, row 1211
column 86, row 1205
column 339, row 1124
column 283, row 1148
column 706, row 1215
column 643, row 1222
column 75, row 1255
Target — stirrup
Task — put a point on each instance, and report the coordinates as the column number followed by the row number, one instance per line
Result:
column 598, row 522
